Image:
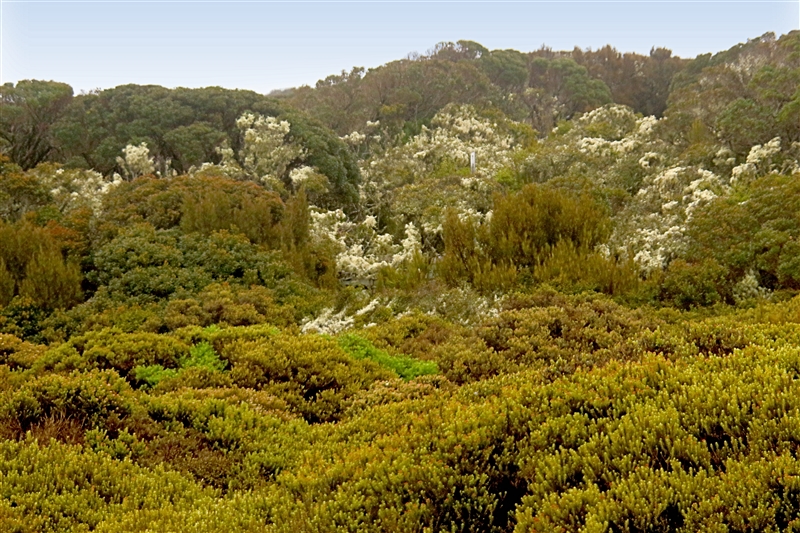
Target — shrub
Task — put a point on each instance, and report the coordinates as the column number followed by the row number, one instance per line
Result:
column 202, row 355
column 112, row 349
column 311, row 373
column 688, row 285
column 93, row 399
column 524, row 230
column 151, row 375
column 18, row 354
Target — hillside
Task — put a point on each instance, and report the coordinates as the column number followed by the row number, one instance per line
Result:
column 225, row 311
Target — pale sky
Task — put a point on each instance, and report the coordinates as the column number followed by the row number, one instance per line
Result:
column 266, row 45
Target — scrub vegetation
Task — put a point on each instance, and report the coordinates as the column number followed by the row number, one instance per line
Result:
column 308, row 311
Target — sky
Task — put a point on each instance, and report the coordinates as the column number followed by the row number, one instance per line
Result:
column 269, row 45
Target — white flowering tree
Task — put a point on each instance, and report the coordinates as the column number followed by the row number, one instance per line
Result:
column 365, row 142
column 266, row 152
column 610, row 146
column 136, row 161
column 268, row 156
column 765, row 159
column 77, row 188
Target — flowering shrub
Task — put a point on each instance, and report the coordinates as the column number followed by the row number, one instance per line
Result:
column 762, row 160
column 412, row 179
column 361, row 252
column 137, row 161
column 654, row 224
column 610, row 145
column 72, row 189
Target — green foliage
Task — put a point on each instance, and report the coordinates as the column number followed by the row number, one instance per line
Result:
column 754, row 231
column 639, row 81
column 20, row 192
column 184, row 127
column 144, row 264
column 312, row 374
column 505, row 372
column 746, row 95
column 404, row 366
column 51, row 283
column 524, row 231
column 152, row 375
column 7, row 285
column 210, row 208
column 18, row 354
column 34, row 268
column 198, row 204
column 28, row 111
column 691, row 285
column 112, row 349
column 203, row 355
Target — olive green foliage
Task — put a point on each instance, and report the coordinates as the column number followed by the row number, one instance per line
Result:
column 756, row 230
column 638, row 81
column 539, row 87
column 20, row 192
column 145, row 264
column 33, row 267
column 746, row 95
column 688, row 285
column 524, row 231
column 314, row 375
column 201, row 356
column 199, row 204
column 28, row 111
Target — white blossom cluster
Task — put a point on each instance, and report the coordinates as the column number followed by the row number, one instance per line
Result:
column 612, row 122
column 72, row 189
column 612, row 130
column 361, row 252
column 748, row 288
column 136, row 161
column 653, row 227
column 266, row 153
column 758, row 163
column 363, row 143
column 611, row 146
column 419, row 180
column 456, row 132
column 355, row 138
column 328, row 322
column 313, row 181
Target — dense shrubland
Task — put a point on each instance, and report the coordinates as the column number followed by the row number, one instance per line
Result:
column 225, row 311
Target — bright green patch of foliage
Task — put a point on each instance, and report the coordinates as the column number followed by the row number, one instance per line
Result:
column 404, row 366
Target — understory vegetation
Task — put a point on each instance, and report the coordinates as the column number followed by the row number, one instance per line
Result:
column 224, row 311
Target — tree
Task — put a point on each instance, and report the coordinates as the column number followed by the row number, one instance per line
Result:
column 27, row 114
column 507, row 69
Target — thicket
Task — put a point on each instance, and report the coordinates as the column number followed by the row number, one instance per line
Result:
column 263, row 325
